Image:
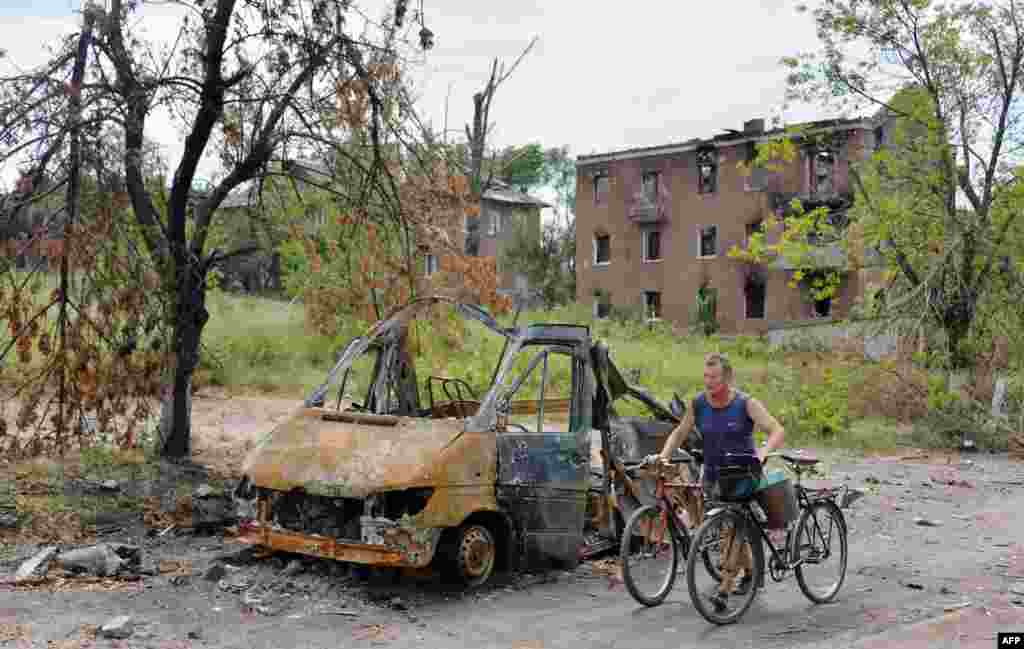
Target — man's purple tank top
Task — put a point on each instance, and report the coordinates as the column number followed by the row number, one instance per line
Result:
column 725, row 430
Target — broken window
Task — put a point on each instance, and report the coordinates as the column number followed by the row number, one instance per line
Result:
column 431, row 266
column 538, row 397
column 823, row 307
column 652, row 305
column 707, row 171
column 755, row 293
column 823, row 172
column 708, row 241
column 601, row 189
column 602, row 304
column 602, row 249
column 649, row 186
column 651, row 245
column 755, row 228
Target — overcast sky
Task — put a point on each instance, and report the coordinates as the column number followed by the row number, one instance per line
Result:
column 602, row 77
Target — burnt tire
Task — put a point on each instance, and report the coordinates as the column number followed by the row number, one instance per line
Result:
column 472, row 554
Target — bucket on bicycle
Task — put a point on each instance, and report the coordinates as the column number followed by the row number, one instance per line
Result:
column 737, row 482
column 777, row 497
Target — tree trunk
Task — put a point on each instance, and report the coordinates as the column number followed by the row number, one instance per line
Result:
column 190, row 318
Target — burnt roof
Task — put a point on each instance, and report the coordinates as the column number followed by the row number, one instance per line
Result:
column 723, row 139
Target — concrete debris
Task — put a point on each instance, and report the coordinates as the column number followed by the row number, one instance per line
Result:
column 119, row 628
column 203, row 491
column 914, row 585
column 293, row 568
column 99, row 560
column 102, row 560
column 235, row 584
column 216, row 572
column 37, row 565
column 1017, row 589
column 109, row 485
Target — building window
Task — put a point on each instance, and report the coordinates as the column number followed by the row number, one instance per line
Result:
column 707, row 171
column 649, row 186
column 601, row 189
column 879, row 138
column 707, row 241
column 652, row 305
column 602, row 249
column 493, row 224
column 755, row 293
column 431, row 265
column 651, row 246
column 602, row 304
column 822, row 172
column 823, row 307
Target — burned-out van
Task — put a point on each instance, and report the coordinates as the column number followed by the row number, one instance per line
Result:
column 380, row 468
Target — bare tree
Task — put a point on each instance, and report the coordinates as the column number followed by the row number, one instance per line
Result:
column 476, row 135
column 253, row 80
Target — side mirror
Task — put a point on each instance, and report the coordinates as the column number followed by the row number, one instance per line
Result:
column 676, row 406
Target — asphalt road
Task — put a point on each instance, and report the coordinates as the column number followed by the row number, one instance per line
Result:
column 907, row 585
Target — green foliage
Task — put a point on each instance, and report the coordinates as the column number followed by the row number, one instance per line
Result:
column 546, row 264
column 523, row 166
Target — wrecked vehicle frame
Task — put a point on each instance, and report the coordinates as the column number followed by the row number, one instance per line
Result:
column 460, row 483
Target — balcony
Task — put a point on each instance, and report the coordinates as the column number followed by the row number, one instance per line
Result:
column 645, row 210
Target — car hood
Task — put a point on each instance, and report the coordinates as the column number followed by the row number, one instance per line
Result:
column 351, row 459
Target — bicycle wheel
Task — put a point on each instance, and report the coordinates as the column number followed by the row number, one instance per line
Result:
column 723, row 540
column 649, row 554
column 820, row 536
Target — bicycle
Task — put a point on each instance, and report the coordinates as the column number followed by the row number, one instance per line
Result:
column 657, row 533
column 733, row 518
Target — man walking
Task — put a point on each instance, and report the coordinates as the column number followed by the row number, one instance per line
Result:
column 726, row 419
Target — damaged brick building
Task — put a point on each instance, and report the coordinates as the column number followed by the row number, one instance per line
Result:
column 655, row 225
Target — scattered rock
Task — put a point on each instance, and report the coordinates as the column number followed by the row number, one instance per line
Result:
column 293, row 568
column 216, row 572
column 235, row 584
column 925, row 522
column 397, row 604
column 195, row 634
column 100, row 560
column 109, row 485
column 118, row 628
column 37, row 565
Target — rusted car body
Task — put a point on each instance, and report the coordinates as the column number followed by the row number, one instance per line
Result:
column 470, row 484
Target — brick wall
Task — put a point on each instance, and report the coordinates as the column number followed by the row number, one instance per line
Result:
column 682, row 212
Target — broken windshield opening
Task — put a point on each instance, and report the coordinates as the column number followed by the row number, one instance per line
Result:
column 535, row 394
column 434, row 358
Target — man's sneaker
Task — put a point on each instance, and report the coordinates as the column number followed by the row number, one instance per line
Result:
column 719, row 601
column 743, row 587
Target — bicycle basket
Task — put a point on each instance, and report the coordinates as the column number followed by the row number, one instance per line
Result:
column 736, row 482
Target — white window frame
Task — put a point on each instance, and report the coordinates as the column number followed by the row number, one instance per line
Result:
column 644, row 245
column 700, row 242
column 602, row 263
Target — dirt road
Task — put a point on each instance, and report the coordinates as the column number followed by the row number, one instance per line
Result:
column 908, row 585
